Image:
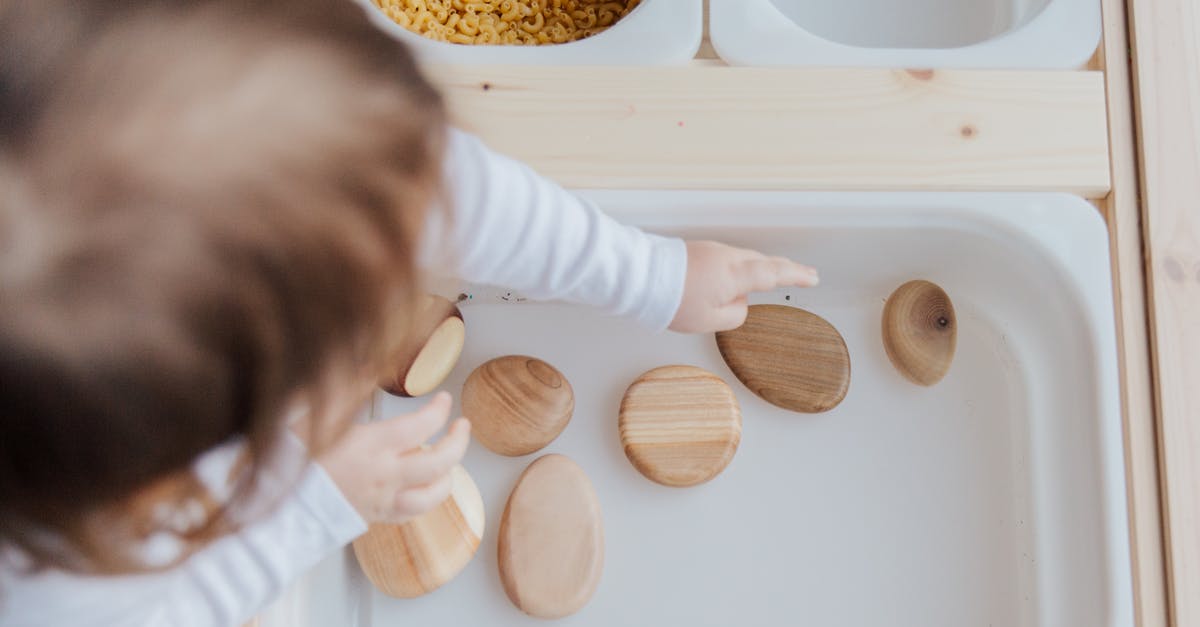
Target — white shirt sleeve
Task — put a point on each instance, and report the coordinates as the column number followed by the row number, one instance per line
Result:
column 509, row 227
column 222, row 585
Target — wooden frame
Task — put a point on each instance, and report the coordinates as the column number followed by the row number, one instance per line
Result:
column 706, row 126
column 1166, row 59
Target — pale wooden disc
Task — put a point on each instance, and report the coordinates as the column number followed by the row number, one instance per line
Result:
column 517, row 404
column 790, row 357
column 418, row 557
column 920, row 331
column 680, row 425
column 431, row 350
column 551, row 541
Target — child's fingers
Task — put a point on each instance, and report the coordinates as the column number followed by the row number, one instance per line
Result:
column 412, row 430
column 763, row 274
column 417, row 501
column 428, row 465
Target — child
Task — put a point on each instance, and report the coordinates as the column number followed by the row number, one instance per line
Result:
column 215, row 217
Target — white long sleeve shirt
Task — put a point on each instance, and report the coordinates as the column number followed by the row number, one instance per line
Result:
column 508, row 227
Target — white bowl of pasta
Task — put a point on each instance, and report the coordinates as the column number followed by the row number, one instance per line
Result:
column 552, row 32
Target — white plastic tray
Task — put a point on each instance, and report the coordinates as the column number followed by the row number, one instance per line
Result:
column 1013, row 34
column 994, row 498
column 657, row 32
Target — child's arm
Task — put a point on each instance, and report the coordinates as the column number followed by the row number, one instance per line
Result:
column 513, row 228
column 378, row 472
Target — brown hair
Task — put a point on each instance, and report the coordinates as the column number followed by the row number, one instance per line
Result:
column 207, row 210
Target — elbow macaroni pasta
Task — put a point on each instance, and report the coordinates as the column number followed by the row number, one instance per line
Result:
column 516, row 22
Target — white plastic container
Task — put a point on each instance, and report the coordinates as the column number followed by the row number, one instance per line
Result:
column 656, row 32
column 994, row 497
column 1013, row 34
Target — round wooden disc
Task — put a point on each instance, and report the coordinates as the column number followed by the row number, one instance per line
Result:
column 551, row 540
column 517, row 404
column 920, row 331
column 680, row 425
column 790, row 357
column 416, row 558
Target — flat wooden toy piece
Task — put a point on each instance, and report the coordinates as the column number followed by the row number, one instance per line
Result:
column 680, row 425
column 517, row 404
column 920, row 332
column 424, row 362
column 423, row 554
column 790, row 357
column 551, row 544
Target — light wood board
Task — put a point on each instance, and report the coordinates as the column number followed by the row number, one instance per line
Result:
column 712, row 127
column 1166, row 52
column 1122, row 211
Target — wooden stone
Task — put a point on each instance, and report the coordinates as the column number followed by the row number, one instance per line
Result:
column 551, row 541
column 426, row 360
column 517, row 404
column 920, row 332
column 680, row 425
column 421, row 555
column 790, row 357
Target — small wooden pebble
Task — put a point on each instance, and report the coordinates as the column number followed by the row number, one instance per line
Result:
column 680, row 425
column 423, row 554
column 517, row 404
column 790, row 357
column 920, row 332
column 551, row 540
column 426, row 360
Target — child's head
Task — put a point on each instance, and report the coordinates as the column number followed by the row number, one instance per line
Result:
column 208, row 211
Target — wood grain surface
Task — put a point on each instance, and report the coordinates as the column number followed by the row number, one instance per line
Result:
column 420, row 556
column 680, row 425
column 1166, row 49
column 712, row 127
column 551, row 542
column 1122, row 212
column 517, row 404
column 790, row 357
column 920, row 331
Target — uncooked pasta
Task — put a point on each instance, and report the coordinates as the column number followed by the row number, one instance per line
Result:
column 515, row 22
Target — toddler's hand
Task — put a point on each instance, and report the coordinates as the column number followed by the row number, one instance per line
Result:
column 720, row 276
column 383, row 470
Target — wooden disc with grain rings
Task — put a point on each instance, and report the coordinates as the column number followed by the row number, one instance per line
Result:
column 920, row 331
column 680, row 425
column 551, row 539
column 517, row 404
column 421, row 555
column 790, row 357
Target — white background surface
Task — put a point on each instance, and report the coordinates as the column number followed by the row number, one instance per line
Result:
column 995, row 497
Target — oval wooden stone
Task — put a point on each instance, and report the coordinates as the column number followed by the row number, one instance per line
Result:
column 680, row 425
column 790, row 357
column 920, row 332
column 439, row 334
column 551, row 544
column 421, row 555
column 517, row 404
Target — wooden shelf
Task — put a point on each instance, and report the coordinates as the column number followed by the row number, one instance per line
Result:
column 716, row 127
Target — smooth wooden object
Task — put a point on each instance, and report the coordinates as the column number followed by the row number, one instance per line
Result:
column 517, row 404
column 790, row 357
column 551, row 541
column 420, row 556
column 1166, row 52
column 706, row 127
column 424, row 362
column 920, row 331
column 680, row 425
column 1122, row 211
